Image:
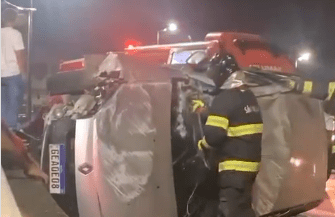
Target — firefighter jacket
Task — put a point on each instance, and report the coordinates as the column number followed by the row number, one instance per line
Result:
column 234, row 130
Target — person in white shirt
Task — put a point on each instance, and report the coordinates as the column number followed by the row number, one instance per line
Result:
column 13, row 65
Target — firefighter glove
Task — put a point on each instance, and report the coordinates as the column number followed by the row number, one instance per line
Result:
column 197, row 105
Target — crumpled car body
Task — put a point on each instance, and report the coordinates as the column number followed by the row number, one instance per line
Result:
column 137, row 155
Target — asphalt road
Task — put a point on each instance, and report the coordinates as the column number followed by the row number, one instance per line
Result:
column 32, row 197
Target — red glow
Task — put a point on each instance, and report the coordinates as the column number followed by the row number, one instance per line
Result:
column 72, row 65
column 131, row 43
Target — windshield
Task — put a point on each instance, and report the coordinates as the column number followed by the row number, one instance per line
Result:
column 180, row 57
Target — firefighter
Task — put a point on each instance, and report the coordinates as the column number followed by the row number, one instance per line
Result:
column 233, row 130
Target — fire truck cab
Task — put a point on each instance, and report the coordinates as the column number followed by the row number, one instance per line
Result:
column 249, row 51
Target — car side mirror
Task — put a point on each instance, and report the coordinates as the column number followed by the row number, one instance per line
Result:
column 198, row 61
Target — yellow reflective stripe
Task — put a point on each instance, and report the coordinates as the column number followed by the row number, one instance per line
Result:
column 197, row 104
column 236, row 165
column 308, row 85
column 333, row 149
column 244, row 130
column 292, row 84
column 203, row 143
column 217, row 121
column 331, row 89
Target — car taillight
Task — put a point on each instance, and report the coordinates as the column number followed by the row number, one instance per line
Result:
column 72, row 65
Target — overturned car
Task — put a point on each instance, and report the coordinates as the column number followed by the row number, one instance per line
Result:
column 132, row 153
column 128, row 146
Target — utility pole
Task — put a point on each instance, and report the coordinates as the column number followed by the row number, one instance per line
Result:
column 30, row 34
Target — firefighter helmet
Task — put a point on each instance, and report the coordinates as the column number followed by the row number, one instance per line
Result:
column 221, row 68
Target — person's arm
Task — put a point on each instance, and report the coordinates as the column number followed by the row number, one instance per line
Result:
column 21, row 60
column 217, row 123
column 18, row 47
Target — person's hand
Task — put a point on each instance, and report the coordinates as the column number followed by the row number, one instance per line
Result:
column 24, row 77
column 32, row 169
column 198, row 106
column 203, row 145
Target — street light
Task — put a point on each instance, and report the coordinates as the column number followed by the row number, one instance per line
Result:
column 172, row 27
column 303, row 57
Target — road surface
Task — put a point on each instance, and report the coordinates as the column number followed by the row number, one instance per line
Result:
column 33, row 199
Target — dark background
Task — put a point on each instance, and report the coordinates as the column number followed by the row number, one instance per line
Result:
column 67, row 29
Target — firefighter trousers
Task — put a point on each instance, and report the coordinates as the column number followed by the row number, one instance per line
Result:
column 235, row 194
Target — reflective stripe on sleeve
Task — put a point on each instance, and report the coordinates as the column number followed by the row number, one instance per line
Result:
column 331, row 89
column 244, row 130
column 308, row 86
column 333, row 149
column 217, row 121
column 243, row 166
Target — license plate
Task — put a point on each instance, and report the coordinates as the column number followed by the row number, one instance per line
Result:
column 57, row 178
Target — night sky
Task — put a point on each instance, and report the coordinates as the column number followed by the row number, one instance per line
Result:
column 66, row 29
